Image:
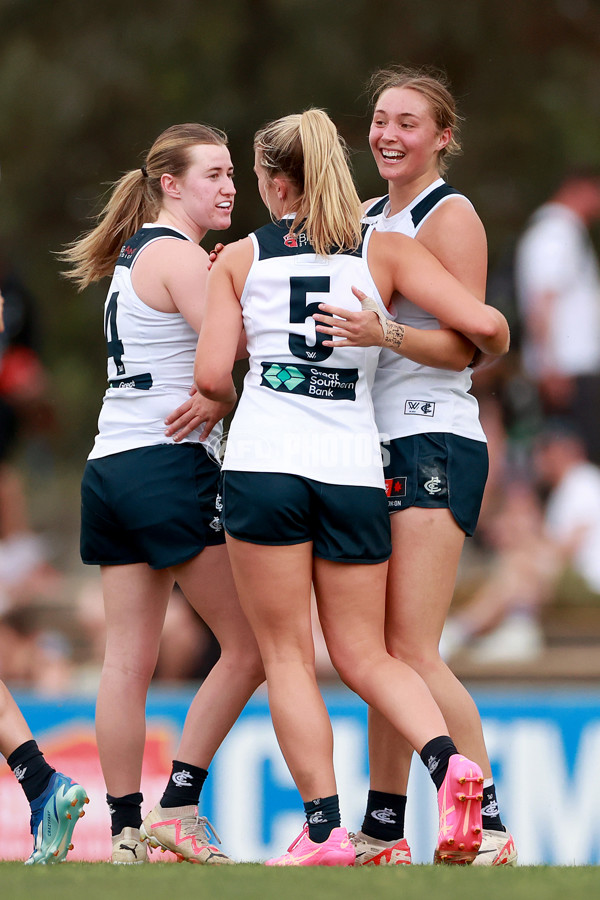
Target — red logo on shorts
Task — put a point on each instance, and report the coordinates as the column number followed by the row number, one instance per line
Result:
column 396, row 487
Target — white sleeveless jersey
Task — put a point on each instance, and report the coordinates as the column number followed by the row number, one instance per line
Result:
column 305, row 409
column 410, row 398
column 150, row 360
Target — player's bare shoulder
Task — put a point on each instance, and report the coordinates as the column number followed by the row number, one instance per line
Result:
column 167, row 258
column 455, row 234
column 188, row 251
column 237, row 249
column 237, row 255
column 456, row 213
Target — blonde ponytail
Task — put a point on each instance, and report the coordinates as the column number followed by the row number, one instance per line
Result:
column 307, row 149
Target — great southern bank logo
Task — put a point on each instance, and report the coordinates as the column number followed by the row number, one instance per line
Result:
column 311, row 381
column 283, row 376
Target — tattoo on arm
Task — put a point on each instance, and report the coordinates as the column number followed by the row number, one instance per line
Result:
column 394, row 335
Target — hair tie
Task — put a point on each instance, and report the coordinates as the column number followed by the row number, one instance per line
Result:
column 144, row 171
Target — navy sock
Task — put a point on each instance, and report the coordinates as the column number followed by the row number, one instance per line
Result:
column 31, row 769
column 435, row 754
column 490, row 813
column 384, row 816
column 125, row 812
column 322, row 815
column 184, row 786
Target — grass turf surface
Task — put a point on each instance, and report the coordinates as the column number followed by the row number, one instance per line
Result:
column 102, row 881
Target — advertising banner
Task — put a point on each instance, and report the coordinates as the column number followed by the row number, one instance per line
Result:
column 544, row 747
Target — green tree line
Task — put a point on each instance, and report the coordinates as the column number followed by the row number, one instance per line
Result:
column 86, row 86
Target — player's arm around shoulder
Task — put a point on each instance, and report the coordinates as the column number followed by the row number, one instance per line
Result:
column 223, row 323
column 417, row 274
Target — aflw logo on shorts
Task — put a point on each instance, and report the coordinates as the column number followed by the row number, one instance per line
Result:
column 396, row 487
column 419, row 408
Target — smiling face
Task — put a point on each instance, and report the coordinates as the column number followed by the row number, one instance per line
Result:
column 404, row 137
column 206, row 190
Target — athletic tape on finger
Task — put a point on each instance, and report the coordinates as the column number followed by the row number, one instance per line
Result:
column 372, row 306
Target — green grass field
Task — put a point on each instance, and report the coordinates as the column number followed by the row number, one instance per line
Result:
column 93, row 881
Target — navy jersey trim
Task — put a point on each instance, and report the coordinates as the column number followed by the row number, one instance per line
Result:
column 377, row 208
column 132, row 247
column 425, row 206
column 275, row 240
column 140, row 382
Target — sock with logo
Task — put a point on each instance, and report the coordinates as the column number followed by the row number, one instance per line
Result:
column 435, row 754
column 322, row 815
column 31, row 769
column 384, row 816
column 490, row 813
column 184, row 786
column 125, row 812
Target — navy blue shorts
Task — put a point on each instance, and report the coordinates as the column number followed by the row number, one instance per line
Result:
column 160, row 505
column 437, row 471
column 345, row 524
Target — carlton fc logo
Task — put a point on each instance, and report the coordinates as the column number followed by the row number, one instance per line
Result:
column 419, row 408
column 434, row 485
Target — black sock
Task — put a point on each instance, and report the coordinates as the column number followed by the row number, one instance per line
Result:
column 384, row 816
column 490, row 814
column 322, row 815
column 184, row 786
column 31, row 769
column 125, row 812
column 435, row 754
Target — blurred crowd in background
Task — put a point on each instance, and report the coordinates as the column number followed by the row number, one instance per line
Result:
column 532, row 569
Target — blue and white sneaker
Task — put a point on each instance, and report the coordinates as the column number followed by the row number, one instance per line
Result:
column 54, row 815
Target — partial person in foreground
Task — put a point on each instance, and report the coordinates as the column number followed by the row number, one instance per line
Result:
column 435, row 449
column 303, row 456
column 150, row 506
column 55, row 800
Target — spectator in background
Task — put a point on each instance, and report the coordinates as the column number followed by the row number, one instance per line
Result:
column 544, row 553
column 24, row 569
column 572, row 509
column 558, row 294
column 500, row 620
